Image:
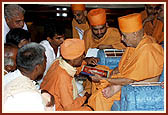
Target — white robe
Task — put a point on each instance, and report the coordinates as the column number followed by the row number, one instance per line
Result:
column 21, row 94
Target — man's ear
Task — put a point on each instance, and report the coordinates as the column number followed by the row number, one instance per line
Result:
column 36, row 71
column 8, row 68
column 107, row 24
column 85, row 13
column 7, row 20
column 49, row 39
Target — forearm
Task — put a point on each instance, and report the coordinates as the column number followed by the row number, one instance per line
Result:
column 119, row 81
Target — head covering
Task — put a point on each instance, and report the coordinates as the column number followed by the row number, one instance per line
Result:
column 72, row 48
column 97, row 17
column 78, row 6
column 130, row 23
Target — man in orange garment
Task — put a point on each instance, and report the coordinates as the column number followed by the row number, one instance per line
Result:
column 79, row 22
column 142, row 61
column 100, row 35
column 60, row 81
column 153, row 25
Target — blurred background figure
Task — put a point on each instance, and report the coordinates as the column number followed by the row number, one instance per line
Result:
column 10, row 52
column 152, row 21
column 14, row 18
column 18, row 37
column 79, row 22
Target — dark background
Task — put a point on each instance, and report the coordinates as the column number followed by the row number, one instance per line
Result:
column 38, row 16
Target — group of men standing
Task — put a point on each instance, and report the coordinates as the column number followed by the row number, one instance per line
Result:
column 90, row 30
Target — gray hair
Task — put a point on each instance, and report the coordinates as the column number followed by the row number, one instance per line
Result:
column 13, row 10
column 8, row 61
column 29, row 56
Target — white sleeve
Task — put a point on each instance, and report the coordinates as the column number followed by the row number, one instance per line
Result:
column 25, row 26
column 26, row 101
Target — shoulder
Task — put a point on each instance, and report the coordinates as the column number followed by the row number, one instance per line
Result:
column 152, row 48
column 11, row 76
column 44, row 43
column 87, row 33
column 112, row 29
column 74, row 22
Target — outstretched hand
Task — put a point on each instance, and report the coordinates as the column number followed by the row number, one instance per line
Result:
column 91, row 60
column 96, row 78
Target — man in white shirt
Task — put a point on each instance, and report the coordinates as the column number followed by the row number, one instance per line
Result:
column 14, row 18
column 20, row 92
column 54, row 37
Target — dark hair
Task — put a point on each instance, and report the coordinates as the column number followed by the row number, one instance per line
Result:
column 51, row 29
column 29, row 56
column 15, row 35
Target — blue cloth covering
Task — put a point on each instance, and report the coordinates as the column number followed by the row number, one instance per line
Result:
column 111, row 62
column 140, row 98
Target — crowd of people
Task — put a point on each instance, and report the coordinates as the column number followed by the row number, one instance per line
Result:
column 43, row 76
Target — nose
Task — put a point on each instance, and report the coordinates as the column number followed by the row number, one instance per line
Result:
column 77, row 17
column 99, row 31
column 21, row 24
column 122, row 38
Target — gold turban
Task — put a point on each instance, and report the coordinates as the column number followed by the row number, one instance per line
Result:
column 78, row 6
column 130, row 23
column 97, row 17
column 72, row 48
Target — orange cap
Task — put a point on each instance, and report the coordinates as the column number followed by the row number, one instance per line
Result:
column 130, row 23
column 72, row 48
column 78, row 6
column 97, row 17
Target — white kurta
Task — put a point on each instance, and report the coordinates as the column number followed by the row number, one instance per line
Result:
column 11, row 76
column 20, row 94
column 7, row 29
column 50, row 54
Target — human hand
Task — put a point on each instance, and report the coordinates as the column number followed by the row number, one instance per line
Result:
column 91, row 60
column 96, row 78
column 115, row 71
column 48, row 98
column 87, row 97
column 111, row 90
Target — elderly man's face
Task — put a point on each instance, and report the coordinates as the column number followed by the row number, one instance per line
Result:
column 16, row 21
column 129, row 39
column 11, row 53
column 152, row 9
column 78, row 61
column 79, row 16
column 99, row 31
